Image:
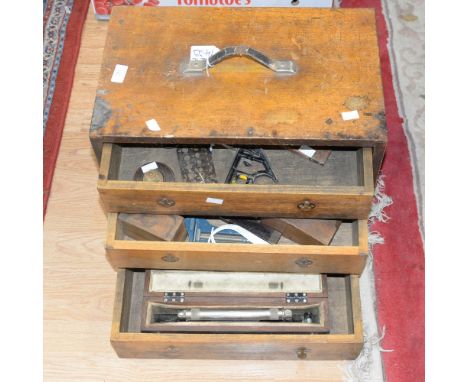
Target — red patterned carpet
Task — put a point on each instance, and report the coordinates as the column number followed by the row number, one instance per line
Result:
column 399, row 263
column 63, row 22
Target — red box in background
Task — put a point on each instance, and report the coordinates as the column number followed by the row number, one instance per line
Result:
column 102, row 8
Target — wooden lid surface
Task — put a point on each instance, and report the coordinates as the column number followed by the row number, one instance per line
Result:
column 239, row 100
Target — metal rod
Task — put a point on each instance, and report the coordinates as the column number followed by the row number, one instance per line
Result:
column 273, row 314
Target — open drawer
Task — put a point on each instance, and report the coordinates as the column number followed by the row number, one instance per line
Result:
column 344, row 339
column 345, row 254
column 342, row 188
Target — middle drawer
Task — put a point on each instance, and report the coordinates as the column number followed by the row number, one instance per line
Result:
column 345, row 254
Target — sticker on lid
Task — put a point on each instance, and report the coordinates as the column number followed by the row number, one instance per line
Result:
column 120, row 71
column 214, row 200
column 202, row 52
column 349, row 115
column 307, row 151
column 149, row 167
column 153, row 125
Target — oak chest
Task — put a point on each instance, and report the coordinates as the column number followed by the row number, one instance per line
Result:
column 266, row 123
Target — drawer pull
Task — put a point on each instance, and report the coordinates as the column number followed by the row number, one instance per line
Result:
column 301, row 353
column 303, row 262
column 166, row 202
column 306, row 205
column 278, row 66
column 170, row 259
column 172, row 351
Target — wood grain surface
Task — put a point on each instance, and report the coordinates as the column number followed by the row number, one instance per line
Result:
column 241, row 101
column 305, row 231
column 153, row 227
column 79, row 284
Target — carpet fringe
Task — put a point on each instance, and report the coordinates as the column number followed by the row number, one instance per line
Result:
column 375, row 238
column 359, row 370
column 381, row 201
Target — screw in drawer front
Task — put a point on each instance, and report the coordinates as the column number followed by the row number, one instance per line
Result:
column 166, row 202
column 301, row 353
column 306, row 205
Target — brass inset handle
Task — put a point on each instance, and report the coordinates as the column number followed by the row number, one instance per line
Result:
column 303, row 262
column 301, row 353
column 170, row 258
column 278, row 66
column 166, row 202
column 306, row 205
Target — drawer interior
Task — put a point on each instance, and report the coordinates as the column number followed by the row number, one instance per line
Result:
column 343, row 167
column 127, row 247
column 309, row 318
column 347, row 233
column 235, row 302
column 340, row 310
column 162, row 313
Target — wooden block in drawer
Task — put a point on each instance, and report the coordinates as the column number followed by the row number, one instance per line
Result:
column 347, row 253
column 152, row 227
column 305, row 231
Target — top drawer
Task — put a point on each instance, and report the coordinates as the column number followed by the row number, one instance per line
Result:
column 341, row 188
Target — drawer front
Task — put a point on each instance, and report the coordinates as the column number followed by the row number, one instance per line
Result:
column 326, row 198
column 347, row 253
column 129, row 342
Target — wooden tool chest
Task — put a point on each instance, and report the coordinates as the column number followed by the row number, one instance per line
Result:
column 271, row 120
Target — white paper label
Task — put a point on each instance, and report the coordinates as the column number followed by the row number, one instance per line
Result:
column 349, row 115
column 307, row 151
column 119, row 74
column 153, row 125
column 214, row 200
column 200, row 52
column 149, row 167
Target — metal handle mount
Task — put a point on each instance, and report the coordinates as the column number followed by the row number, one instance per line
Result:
column 278, row 66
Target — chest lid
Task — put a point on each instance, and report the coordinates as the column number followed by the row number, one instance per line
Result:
column 295, row 73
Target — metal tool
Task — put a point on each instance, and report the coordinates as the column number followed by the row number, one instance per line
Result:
column 161, row 173
column 196, row 164
column 250, row 166
column 273, row 314
column 256, row 227
column 199, row 230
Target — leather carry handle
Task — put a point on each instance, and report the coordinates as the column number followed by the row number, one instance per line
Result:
column 278, row 66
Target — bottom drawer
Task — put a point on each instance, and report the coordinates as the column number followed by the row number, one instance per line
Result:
column 344, row 339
